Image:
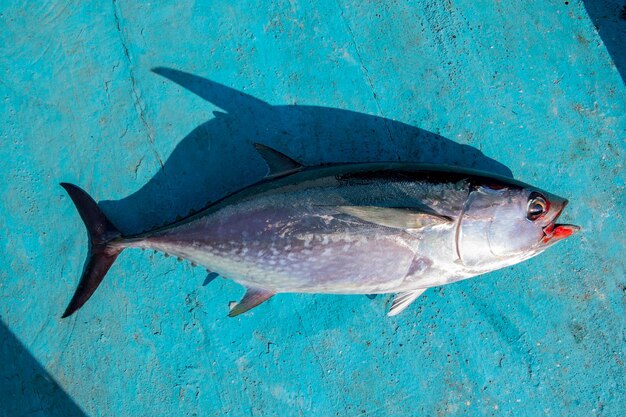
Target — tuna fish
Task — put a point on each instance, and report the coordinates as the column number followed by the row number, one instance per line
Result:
column 367, row 228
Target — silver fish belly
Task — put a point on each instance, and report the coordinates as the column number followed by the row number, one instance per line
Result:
column 347, row 229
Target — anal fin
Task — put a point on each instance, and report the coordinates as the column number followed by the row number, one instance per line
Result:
column 253, row 297
column 403, row 300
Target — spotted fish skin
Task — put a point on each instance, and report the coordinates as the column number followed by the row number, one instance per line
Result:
column 350, row 229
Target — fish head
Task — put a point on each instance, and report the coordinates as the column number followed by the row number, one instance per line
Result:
column 503, row 224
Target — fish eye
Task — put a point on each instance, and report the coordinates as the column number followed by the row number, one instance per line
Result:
column 537, row 206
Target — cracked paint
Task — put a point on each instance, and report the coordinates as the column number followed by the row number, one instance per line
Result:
column 133, row 83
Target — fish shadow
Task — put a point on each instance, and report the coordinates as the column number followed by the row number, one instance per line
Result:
column 217, row 157
column 609, row 18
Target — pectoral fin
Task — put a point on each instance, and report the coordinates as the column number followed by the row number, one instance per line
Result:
column 278, row 163
column 399, row 218
column 403, row 300
column 253, row 297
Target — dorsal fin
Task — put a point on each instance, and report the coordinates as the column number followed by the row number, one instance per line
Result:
column 253, row 297
column 278, row 163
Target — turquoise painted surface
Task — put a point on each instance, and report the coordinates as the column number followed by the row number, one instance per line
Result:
column 528, row 87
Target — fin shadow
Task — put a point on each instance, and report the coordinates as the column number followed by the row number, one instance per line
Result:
column 609, row 18
column 218, row 157
column 209, row 278
column 26, row 388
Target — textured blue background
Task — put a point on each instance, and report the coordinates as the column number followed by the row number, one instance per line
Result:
column 531, row 86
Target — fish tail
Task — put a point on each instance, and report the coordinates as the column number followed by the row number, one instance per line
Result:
column 104, row 246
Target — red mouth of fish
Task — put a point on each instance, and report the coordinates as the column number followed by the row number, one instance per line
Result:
column 554, row 232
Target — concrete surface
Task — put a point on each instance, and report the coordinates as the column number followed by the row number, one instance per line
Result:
column 520, row 87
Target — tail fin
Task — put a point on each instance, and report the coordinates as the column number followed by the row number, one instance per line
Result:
column 102, row 253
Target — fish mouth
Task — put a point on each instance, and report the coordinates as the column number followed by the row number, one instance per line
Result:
column 554, row 231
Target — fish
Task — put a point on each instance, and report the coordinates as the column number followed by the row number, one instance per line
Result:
column 351, row 228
